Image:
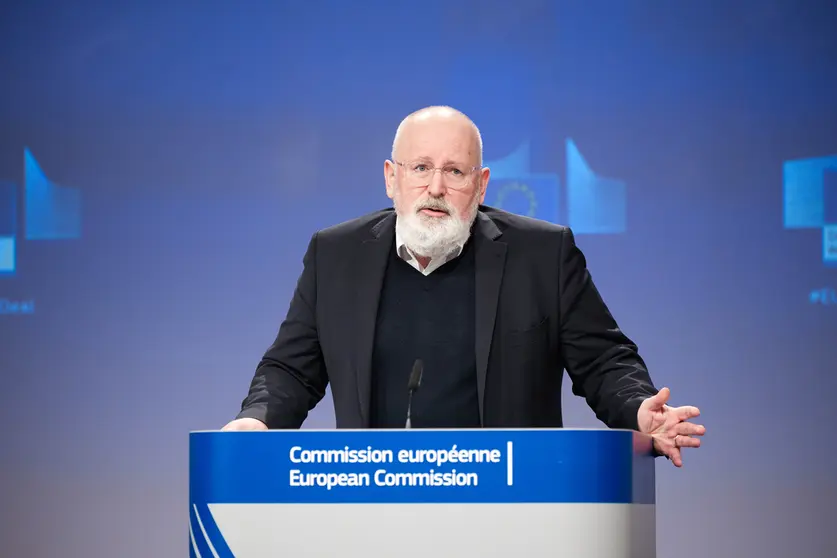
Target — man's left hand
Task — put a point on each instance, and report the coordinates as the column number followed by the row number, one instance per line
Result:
column 668, row 427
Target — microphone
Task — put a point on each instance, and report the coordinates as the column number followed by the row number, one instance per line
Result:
column 412, row 386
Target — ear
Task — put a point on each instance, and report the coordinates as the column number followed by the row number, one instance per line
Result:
column 485, row 174
column 389, row 177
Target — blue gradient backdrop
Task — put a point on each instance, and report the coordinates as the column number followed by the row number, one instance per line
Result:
column 195, row 146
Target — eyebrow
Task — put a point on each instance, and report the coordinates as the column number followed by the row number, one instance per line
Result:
column 445, row 163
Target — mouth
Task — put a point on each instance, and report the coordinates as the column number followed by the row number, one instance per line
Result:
column 434, row 212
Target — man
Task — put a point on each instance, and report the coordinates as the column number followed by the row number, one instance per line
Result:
column 495, row 305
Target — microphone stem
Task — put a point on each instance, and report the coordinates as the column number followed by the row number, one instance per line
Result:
column 409, row 409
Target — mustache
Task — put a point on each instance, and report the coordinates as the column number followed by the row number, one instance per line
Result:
column 435, row 204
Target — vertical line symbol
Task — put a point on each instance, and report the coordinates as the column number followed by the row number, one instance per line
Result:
column 509, row 464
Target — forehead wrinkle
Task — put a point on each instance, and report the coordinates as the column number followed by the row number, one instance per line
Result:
column 413, row 150
column 414, row 123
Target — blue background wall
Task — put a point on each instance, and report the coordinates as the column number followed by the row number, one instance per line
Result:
column 189, row 150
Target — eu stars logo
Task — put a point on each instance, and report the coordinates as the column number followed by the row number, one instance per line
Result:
column 534, row 196
column 594, row 204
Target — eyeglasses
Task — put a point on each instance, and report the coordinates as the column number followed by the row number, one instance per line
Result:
column 419, row 173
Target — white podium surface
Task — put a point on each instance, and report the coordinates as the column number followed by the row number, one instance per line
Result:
column 419, row 493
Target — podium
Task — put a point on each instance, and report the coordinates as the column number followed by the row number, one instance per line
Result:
column 422, row 493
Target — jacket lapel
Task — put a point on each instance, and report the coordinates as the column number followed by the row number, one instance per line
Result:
column 371, row 266
column 490, row 263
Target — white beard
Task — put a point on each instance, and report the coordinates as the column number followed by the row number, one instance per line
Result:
column 434, row 237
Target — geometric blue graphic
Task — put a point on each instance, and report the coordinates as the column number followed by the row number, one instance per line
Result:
column 810, row 200
column 8, row 209
column 829, row 195
column 824, row 297
column 8, row 226
column 521, row 191
column 53, row 212
column 7, row 255
column 205, row 538
column 596, row 205
column 829, row 231
column 829, row 245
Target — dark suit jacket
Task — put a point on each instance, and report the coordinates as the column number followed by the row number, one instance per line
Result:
column 537, row 313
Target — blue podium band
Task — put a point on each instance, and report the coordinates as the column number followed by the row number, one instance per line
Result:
column 432, row 466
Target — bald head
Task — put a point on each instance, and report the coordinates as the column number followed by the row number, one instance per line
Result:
column 437, row 128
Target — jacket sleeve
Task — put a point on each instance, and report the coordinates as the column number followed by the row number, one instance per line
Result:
column 603, row 363
column 291, row 377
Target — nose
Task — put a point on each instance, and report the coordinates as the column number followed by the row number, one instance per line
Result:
column 436, row 186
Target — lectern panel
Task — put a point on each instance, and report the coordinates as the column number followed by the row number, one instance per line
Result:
column 371, row 493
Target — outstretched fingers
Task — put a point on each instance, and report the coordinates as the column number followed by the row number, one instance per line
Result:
column 686, row 412
column 689, row 429
column 681, row 441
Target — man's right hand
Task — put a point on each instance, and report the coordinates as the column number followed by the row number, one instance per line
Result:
column 244, row 424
